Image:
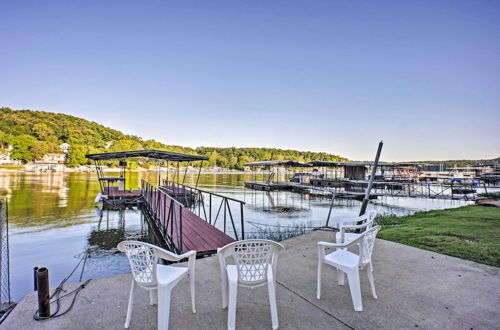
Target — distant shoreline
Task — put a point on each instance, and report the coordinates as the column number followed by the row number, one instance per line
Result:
column 91, row 169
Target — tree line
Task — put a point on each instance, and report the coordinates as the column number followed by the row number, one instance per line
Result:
column 33, row 134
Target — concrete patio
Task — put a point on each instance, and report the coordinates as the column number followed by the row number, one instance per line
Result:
column 416, row 288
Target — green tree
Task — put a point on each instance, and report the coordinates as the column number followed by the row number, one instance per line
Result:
column 22, row 147
column 76, row 156
column 42, row 131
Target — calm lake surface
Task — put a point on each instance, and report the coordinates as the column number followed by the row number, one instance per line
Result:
column 53, row 220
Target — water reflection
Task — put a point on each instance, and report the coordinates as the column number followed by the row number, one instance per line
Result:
column 53, row 219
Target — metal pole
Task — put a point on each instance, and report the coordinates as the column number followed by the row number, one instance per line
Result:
column 42, row 278
column 199, row 173
column 330, row 210
column 242, row 223
column 364, row 204
column 35, row 269
column 159, row 174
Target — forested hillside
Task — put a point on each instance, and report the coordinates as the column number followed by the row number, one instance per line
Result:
column 33, row 134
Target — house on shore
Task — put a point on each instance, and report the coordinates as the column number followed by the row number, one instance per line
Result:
column 52, row 162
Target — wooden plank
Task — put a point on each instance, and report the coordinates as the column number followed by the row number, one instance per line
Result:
column 197, row 234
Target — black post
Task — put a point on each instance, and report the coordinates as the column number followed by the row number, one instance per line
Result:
column 180, row 227
column 242, row 222
column 372, row 178
column 210, row 208
column 223, row 200
column 42, row 278
column 35, row 269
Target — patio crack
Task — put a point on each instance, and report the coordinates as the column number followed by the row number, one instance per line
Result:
column 318, row 307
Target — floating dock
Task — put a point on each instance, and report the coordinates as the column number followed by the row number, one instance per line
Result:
column 170, row 207
column 182, row 229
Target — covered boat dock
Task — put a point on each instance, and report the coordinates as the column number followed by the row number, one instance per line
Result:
column 168, row 207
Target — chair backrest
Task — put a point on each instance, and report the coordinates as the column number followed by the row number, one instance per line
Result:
column 366, row 246
column 363, row 222
column 371, row 218
column 143, row 260
column 253, row 258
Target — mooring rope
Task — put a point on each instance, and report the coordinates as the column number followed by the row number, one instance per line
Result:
column 60, row 288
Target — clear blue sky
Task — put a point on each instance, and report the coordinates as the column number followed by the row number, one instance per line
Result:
column 334, row 76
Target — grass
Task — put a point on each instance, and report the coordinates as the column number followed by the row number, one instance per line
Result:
column 495, row 196
column 468, row 232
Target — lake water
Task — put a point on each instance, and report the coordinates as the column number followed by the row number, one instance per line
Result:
column 53, row 220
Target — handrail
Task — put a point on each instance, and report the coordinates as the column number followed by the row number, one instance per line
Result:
column 196, row 202
column 163, row 209
column 166, row 182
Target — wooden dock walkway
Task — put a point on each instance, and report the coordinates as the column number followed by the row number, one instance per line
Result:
column 182, row 229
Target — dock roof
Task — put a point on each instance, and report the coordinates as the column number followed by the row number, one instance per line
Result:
column 284, row 163
column 323, row 163
column 147, row 153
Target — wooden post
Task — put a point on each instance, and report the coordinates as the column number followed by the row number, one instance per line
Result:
column 364, row 204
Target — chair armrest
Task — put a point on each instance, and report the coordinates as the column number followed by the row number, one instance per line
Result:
column 324, row 245
column 343, row 227
column 170, row 256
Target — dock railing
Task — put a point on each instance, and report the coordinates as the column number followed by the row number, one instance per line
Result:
column 204, row 203
column 5, row 299
column 166, row 212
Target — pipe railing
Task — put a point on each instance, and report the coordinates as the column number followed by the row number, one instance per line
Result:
column 204, row 203
column 167, row 212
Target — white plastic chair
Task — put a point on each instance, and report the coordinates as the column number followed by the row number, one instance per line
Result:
column 350, row 263
column 255, row 265
column 158, row 279
column 347, row 225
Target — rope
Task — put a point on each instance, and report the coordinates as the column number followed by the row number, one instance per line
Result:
column 60, row 288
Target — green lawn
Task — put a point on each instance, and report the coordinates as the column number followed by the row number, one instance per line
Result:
column 468, row 232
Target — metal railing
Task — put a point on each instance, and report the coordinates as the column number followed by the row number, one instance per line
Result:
column 204, row 203
column 5, row 298
column 167, row 213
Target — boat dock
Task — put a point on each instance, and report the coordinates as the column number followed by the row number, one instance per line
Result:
column 171, row 208
column 306, row 189
column 182, row 229
column 350, row 180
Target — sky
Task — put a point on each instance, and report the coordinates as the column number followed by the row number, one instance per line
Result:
column 332, row 76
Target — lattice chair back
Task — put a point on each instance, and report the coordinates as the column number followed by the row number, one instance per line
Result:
column 371, row 218
column 143, row 260
column 253, row 259
column 366, row 247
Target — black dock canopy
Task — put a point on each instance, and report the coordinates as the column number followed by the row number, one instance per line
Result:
column 284, row 163
column 322, row 163
column 148, row 153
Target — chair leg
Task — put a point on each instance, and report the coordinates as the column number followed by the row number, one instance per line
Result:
column 272, row 301
column 231, row 311
column 341, row 277
column 130, row 304
column 191, row 284
column 320, row 267
column 153, row 297
column 163, row 307
column 224, row 291
column 354, row 287
column 369, row 271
